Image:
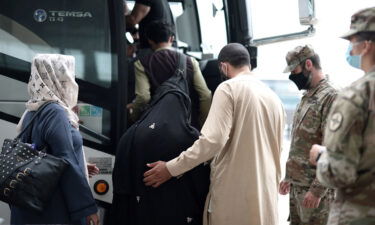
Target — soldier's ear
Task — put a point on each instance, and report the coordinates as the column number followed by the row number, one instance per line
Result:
column 308, row 64
column 369, row 46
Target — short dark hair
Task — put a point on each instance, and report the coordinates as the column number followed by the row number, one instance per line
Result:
column 366, row 36
column 315, row 59
column 159, row 31
column 235, row 54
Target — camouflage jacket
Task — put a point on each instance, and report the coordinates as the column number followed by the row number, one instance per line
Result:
column 349, row 162
column 308, row 127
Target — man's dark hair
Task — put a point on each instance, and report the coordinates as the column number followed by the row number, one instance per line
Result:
column 159, row 31
column 366, row 36
column 235, row 54
column 315, row 59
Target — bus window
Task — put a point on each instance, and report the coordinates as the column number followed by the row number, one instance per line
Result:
column 53, row 30
column 13, row 104
column 272, row 21
column 83, row 29
column 213, row 26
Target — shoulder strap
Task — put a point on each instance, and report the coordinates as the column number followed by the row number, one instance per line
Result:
column 181, row 66
column 179, row 77
column 33, row 118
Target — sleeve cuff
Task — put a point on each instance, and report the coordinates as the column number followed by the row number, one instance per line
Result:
column 317, row 189
column 173, row 167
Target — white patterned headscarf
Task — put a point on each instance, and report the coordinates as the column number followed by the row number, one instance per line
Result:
column 53, row 79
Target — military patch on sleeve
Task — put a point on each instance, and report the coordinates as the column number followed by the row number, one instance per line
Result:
column 336, row 121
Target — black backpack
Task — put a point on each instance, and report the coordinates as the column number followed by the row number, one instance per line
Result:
column 162, row 133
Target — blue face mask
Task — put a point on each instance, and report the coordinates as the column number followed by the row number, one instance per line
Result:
column 353, row 60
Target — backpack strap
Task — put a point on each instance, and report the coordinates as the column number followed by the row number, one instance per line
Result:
column 178, row 80
column 181, row 66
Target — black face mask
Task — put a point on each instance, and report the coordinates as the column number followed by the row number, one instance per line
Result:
column 301, row 80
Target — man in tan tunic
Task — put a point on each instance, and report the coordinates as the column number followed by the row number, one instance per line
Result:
column 242, row 136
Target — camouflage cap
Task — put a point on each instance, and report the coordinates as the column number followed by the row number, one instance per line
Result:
column 362, row 21
column 298, row 55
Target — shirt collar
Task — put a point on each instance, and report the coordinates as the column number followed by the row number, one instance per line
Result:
column 312, row 91
column 165, row 48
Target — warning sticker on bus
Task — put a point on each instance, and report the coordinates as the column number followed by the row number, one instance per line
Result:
column 103, row 163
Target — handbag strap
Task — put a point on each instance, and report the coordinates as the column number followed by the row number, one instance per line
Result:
column 33, row 118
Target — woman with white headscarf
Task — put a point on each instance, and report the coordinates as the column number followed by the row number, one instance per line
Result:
column 56, row 127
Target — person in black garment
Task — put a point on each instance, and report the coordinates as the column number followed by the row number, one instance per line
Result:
column 145, row 12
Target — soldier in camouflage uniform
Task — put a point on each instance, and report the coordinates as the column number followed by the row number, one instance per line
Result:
column 309, row 200
column 348, row 163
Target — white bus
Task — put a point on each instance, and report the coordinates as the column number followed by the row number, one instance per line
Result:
column 93, row 31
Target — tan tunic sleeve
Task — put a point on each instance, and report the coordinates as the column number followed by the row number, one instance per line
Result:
column 205, row 96
column 214, row 135
column 142, row 89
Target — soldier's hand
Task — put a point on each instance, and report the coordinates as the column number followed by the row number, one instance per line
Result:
column 310, row 201
column 284, row 187
column 314, row 153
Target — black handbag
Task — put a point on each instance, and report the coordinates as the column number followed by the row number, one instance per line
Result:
column 28, row 177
